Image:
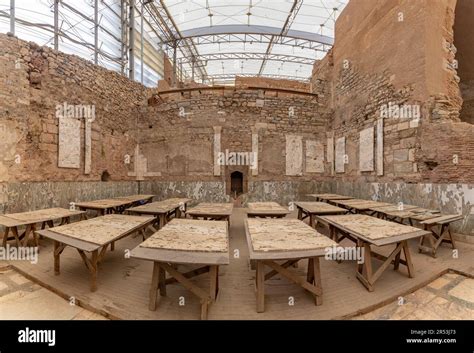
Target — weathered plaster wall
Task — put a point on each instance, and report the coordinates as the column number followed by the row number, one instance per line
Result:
column 451, row 198
column 26, row 196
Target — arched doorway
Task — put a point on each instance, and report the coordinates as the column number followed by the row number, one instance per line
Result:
column 236, row 184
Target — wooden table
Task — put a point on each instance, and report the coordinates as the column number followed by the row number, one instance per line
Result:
column 266, row 210
column 137, row 200
column 13, row 221
column 437, row 237
column 114, row 205
column 359, row 205
column 326, row 197
column 313, row 209
column 287, row 241
column 186, row 242
column 162, row 210
column 94, row 236
column 366, row 231
column 212, row 211
column 411, row 214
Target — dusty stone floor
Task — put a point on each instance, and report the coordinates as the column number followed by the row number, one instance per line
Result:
column 450, row 297
column 22, row 299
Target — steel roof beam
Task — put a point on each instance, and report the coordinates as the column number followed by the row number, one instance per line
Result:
column 256, row 30
column 249, row 56
column 286, row 27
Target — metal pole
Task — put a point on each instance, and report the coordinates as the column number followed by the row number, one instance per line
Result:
column 175, row 48
column 56, row 25
column 12, row 17
column 141, row 44
column 131, row 41
column 122, row 43
column 96, row 32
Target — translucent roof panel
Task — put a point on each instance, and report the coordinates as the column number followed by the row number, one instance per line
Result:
column 313, row 16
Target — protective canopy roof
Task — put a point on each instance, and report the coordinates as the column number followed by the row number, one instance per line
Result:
column 229, row 54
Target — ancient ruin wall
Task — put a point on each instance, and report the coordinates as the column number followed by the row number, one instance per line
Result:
column 178, row 138
column 34, row 81
column 37, row 80
column 400, row 53
column 464, row 42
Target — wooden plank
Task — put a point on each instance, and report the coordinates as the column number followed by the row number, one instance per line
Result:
column 180, row 257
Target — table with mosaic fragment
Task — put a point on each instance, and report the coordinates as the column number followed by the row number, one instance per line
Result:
column 267, row 209
column 281, row 243
column 94, row 236
column 162, row 210
column 186, row 242
column 367, row 231
column 313, row 209
column 46, row 217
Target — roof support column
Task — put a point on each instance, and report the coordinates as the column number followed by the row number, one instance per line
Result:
column 56, row 25
column 96, row 31
column 175, row 49
column 12, row 17
column 131, row 40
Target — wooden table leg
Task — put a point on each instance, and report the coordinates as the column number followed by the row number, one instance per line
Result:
column 300, row 213
column 260, row 284
column 204, row 309
column 27, row 234
column 162, row 281
column 162, row 220
column 317, row 281
column 5, row 237
column 312, row 221
column 214, row 281
column 406, row 251
column 154, row 286
column 364, row 274
column 94, row 270
column 17, row 236
column 453, row 244
column 58, row 249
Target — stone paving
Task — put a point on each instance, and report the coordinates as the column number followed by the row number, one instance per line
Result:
column 450, row 297
column 22, row 299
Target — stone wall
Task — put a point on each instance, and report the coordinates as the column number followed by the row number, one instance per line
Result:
column 35, row 81
column 242, row 82
column 409, row 81
column 177, row 141
column 464, row 43
column 450, row 198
